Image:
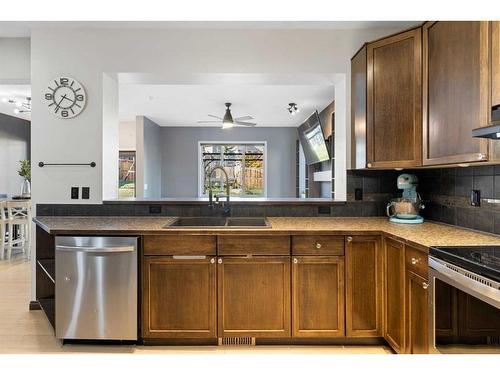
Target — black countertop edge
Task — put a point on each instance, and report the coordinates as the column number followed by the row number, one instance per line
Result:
column 256, row 202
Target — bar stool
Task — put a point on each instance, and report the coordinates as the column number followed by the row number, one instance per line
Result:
column 19, row 214
column 3, row 227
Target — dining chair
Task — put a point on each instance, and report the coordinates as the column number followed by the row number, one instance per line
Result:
column 19, row 214
column 3, row 227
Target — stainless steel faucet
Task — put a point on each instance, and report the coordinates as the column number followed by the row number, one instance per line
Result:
column 211, row 204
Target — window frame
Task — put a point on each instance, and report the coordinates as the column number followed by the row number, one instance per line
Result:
column 201, row 168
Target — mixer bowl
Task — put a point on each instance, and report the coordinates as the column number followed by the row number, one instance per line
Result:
column 404, row 208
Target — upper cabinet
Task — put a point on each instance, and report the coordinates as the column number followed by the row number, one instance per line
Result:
column 495, row 71
column 455, row 69
column 416, row 96
column 394, row 101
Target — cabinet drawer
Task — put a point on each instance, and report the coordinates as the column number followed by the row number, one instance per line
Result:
column 416, row 261
column 179, row 245
column 318, row 245
column 253, row 245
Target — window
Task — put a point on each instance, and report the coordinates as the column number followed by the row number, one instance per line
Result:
column 126, row 174
column 244, row 164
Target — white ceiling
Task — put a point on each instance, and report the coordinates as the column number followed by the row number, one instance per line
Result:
column 184, row 105
column 23, row 28
column 15, row 92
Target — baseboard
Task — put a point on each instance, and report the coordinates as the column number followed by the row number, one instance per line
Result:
column 35, row 305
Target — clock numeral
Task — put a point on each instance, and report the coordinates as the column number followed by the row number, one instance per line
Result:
column 79, row 98
column 49, row 97
column 63, row 81
column 64, row 113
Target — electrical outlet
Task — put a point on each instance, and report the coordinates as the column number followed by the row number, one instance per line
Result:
column 358, row 194
column 75, row 192
column 85, row 192
column 475, row 198
column 324, row 210
column 155, row 209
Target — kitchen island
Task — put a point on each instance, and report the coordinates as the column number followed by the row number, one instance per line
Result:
column 301, row 280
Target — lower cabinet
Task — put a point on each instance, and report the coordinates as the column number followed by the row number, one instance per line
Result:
column 254, row 296
column 394, row 327
column 318, row 296
column 417, row 317
column 364, row 286
column 179, row 298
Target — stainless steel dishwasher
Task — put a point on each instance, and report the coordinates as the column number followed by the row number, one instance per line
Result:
column 96, row 288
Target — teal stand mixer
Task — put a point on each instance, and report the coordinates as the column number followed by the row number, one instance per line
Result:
column 405, row 210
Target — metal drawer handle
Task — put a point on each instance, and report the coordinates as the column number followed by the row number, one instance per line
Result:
column 219, row 261
column 188, row 257
column 349, row 238
column 103, row 250
column 318, row 245
column 425, row 285
column 212, row 260
column 295, row 260
column 415, row 260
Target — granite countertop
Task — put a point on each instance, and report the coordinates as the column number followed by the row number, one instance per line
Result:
column 236, row 201
column 420, row 235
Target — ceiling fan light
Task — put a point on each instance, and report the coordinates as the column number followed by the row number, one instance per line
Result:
column 227, row 125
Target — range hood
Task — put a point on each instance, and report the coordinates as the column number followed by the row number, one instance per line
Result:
column 492, row 132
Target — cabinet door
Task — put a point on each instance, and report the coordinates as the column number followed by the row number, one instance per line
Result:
column 455, row 68
column 364, row 286
column 358, row 109
column 476, row 318
column 394, row 331
column 318, row 296
column 179, row 298
column 254, row 296
column 495, row 70
column 417, row 307
column 394, row 101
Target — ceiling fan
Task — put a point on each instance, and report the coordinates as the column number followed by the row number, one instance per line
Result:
column 227, row 121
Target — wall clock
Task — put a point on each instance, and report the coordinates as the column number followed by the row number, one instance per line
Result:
column 65, row 97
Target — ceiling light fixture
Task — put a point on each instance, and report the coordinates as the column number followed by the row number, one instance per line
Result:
column 293, row 109
column 227, row 121
column 21, row 107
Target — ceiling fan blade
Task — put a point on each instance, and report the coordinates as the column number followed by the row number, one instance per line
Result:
column 245, row 123
column 217, row 117
column 208, row 122
column 243, row 118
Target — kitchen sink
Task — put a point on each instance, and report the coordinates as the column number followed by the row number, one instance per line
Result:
column 219, row 222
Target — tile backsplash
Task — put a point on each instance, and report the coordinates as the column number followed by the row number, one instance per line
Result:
column 446, row 194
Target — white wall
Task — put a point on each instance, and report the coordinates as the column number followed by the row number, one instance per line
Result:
column 127, row 136
column 149, row 151
column 87, row 53
column 14, row 60
column 110, row 138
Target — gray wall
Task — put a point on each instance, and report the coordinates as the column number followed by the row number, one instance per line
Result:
column 152, row 159
column 180, row 157
column 14, row 146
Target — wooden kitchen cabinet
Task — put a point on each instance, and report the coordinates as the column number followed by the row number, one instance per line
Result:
column 417, row 314
column 455, row 91
column 254, row 296
column 318, row 296
column 358, row 109
column 179, row 298
column 394, row 101
column 495, row 71
column 364, row 286
column 394, row 327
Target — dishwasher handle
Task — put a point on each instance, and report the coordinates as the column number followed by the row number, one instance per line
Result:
column 91, row 249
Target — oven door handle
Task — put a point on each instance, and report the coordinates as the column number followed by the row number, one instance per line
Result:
column 466, row 284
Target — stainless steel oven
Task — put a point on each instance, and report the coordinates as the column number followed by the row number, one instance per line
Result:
column 464, row 298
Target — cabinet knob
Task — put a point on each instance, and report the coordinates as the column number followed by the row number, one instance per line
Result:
column 414, row 260
column 369, row 165
column 425, row 285
column 295, row 260
column 219, row 261
column 349, row 238
column 318, row 245
column 212, row 260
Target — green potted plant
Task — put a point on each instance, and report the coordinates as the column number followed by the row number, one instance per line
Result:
column 25, row 172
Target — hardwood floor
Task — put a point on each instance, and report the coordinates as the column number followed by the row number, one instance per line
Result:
column 24, row 331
